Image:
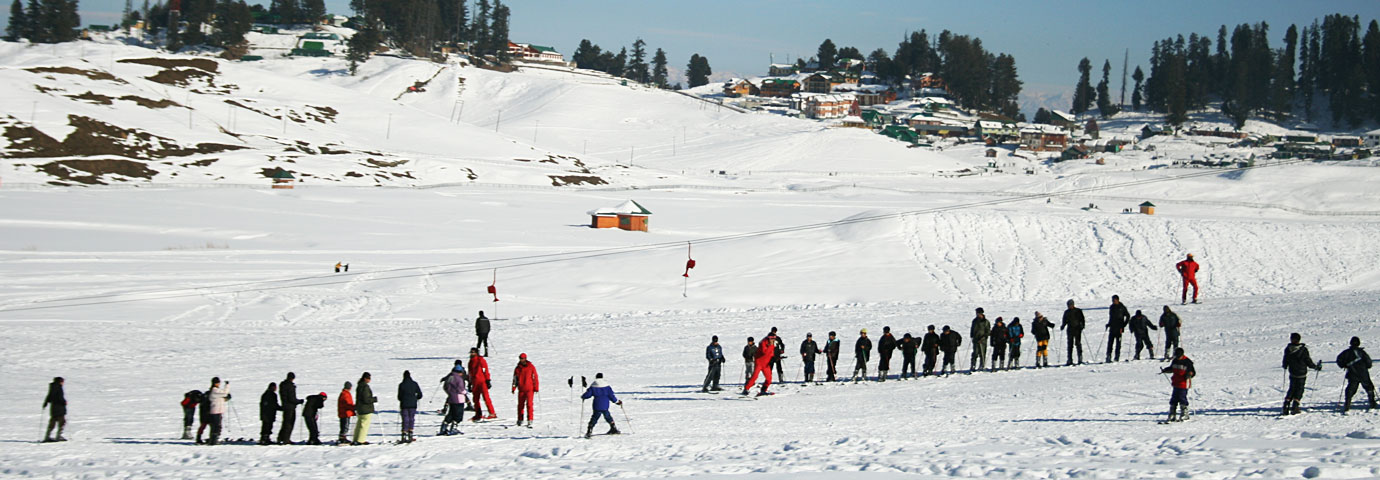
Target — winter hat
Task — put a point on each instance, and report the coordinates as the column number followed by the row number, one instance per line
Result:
column 1116, row 297
column 1138, row 312
column 750, row 340
column 522, row 356
column 809, row 335
column 946, row 328
column 459, row 368
column 715, row 339
column 832, row 333
column 215, row 380
column 291, row 375
column 1295, row 337
column 864, row 331
column 1190, row 255
column 599, row 375
column 323, row 395
column 886, row 329
column 1070, row 302
column 931, row 327
column 979, row 310
column 1355, row 341
column 349, row 385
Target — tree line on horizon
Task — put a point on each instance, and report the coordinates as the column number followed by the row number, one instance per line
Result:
column 1327, row 65
column 633, row 65
column 418, row 25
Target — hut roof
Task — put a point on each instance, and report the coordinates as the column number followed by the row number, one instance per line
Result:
column 629, row 207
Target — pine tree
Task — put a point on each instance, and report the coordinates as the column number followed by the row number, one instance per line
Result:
column 1283, row 94
column 1177, row 89
column 1104, row 100
column 1043, row 116
column 127, row 15
column 1371, row 66
column 827, row 56
column 14, row 30
column 1139, row 77
column 1082, row 92
column 232, row 22
column 286, row 10
column 1006, row 86
column 586, row 55
column 659, row 70
column 697, row 72
column 498, row 32
column 35, row 17
column 60, row 20
column 313, row 10
column 366, row 38
column 619, row 64
column 480, row 29
column 637, row 62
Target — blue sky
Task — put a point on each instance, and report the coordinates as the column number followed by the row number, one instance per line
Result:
column 1047, row 38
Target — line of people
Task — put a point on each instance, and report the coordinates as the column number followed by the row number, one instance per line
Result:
column 762, row 358
column 465, row 389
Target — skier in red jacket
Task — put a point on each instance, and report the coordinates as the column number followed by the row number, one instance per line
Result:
column 1188, row 269
column 479, row 385
column 525, row 385
column 766, row 350
column 1182, row 380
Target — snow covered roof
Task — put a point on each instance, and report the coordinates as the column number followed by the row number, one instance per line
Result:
column 835, row 97
column 991, row 125
column 629, row 207
column 1042, row 128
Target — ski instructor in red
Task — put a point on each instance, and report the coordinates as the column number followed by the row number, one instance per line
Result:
column 765, row 351
column 1188, row 269
column 479, row 385
column 525, row 386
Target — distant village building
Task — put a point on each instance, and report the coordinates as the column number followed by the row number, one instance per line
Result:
column 929, row 80
column 821, row 83
column 991, row 153
column 1074, row 152
column 1155, row 130
column 282, row 179
column 1044, row 138
column 534, row 52
column 781, row 69
column 738, row 88
column 778, row 87
column 994, row 132
column 1147, row 208
column 1063, row 120
column 828, row 106
column 1346, row 141
column 1373, row 138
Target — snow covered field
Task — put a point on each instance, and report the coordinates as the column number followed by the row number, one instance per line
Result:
column 136, row 295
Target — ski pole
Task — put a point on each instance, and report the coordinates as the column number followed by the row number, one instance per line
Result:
column 236, row 412
column 1105, row 332
column 625, row 416
column 42, row 414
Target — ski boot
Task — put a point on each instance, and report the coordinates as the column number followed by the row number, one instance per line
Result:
column 1171, row 418
column 589, row 432
column 186, row 433
column 1183, row 413
column 613, row 430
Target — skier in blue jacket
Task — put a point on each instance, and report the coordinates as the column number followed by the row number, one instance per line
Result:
column 603, row 395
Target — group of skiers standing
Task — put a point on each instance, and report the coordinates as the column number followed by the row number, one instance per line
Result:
column 1354, row 361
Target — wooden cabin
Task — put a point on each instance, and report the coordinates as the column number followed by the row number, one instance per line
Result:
column 1147, row 208
column 628, row 215
column 283, row 179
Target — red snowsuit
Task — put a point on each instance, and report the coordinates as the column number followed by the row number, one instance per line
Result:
column 766, row 349
column 479, row 384
column 525, row 384
column 1188, row 269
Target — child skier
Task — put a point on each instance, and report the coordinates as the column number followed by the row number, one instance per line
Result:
column 1182, row 380
column 603, row 395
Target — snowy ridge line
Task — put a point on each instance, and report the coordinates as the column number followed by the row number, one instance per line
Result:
column 596, row 253
column 616, row 79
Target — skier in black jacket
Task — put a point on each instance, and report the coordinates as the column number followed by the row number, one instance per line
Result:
column 1296, row 362
column 1074, row 321
column 832, row 347
column 1116, row 324
column 749, row 359
column 189, row 403
column 1169, row 321
column 287, row 394
column 930, row 345
column 949, row 342
column 861, row 350
column 268, row 412
column 56, row 402
column 1356, row 363
column 481, row 330
column 780, row 350
column 310, row 414
column 1140, row 328
column 714, row 353
column 997, row 338
column 1040, row 327
column 808, row 350
column 885, row 347
column 408, row 395
column 909, row 346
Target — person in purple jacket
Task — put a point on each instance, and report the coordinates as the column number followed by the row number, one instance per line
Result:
column 454, row 385
column 603, row 395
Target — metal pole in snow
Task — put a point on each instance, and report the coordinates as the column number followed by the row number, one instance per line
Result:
column 388, row 131
column 534, row 131
column 499, row 121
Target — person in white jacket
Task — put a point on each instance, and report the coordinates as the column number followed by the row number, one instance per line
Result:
column 218, row 395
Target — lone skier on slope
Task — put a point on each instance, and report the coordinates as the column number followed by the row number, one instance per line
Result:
column 1182, row 380
column 1140, row 328
column 714, row 353
column 1296, row 362
column 1188, row 271
column 949, row 342
column 1169, row 321
column 603, row 395
column 861, row 350
column 808, row 350
column 766, row 350
column 1356, row 363
column 481, row 330
column 526, row 386
column 978, row 334
column 56, row 403
column 1117, row 319
column 1074, row 321
column 1041, row 327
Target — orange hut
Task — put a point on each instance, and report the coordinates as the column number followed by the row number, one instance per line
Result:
column 628, row 215
column 282, row 179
